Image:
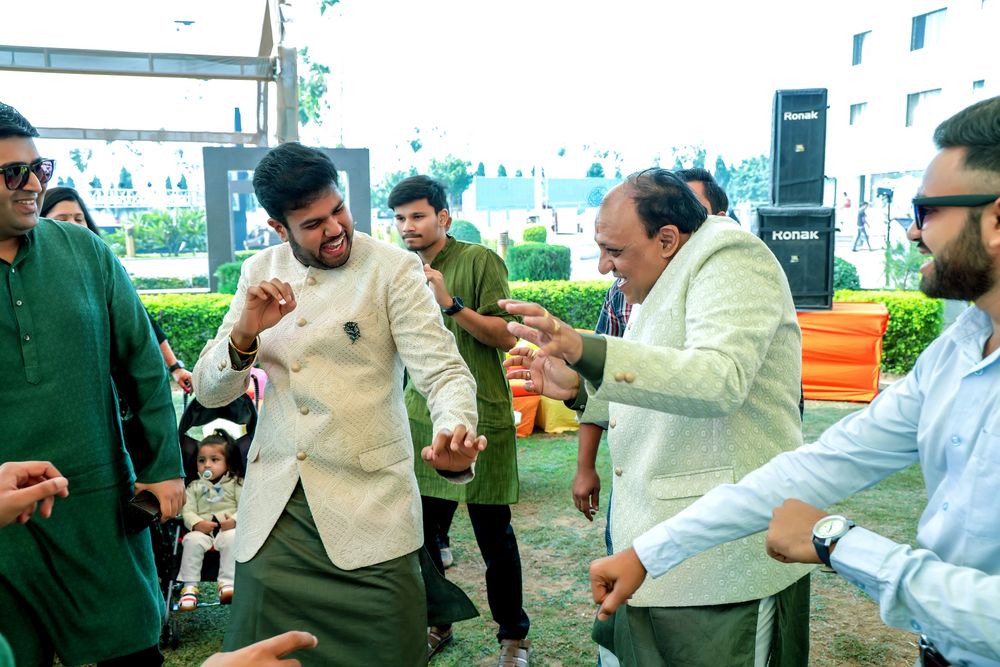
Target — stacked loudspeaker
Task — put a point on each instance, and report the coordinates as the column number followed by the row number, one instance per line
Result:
column 797, row 228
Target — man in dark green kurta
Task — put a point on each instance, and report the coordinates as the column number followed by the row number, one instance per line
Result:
column 70, row 326
column 467, row 281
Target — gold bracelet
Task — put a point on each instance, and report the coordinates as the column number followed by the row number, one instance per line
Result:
column 256, row 346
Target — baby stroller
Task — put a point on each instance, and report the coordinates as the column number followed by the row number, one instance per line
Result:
column 167, row 536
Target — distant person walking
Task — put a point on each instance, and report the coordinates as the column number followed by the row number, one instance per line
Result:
column 862, row 236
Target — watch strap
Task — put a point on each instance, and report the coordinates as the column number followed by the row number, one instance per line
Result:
column 455, row 307
column 175, row 366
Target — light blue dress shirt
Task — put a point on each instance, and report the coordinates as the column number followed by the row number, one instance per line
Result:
column 944, row 414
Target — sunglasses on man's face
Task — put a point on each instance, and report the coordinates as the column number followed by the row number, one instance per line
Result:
column 922, row 205
column 16, row 176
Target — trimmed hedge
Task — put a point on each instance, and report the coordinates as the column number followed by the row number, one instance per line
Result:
column 189, row 320
column 914, row 322
column 535, row 234
column 538, row 261
column 169, row 282
column 463, row 230
column 576, row 303
column 845, row 275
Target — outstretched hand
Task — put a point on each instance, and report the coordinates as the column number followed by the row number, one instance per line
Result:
column 613, row 581
column 26, row 486
column 454, row 451
column 542, row 374
column 554, row 337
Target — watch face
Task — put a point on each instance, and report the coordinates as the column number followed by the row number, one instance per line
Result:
column 830, row 526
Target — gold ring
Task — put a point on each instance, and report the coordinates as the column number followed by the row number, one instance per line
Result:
column 556, row 326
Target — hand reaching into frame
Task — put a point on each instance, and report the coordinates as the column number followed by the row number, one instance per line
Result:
column 542, row 374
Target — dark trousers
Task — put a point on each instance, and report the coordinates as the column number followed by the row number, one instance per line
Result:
column 498, row 546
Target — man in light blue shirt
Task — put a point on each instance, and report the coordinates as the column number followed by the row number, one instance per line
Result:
column 944, row 414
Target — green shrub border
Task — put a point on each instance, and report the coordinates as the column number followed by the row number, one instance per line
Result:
column 191, row 320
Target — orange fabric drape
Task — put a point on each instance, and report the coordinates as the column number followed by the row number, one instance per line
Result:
column 842, row 350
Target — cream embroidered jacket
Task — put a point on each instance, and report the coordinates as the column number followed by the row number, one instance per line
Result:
column 333, row 413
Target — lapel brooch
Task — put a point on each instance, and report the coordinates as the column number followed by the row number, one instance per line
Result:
column 353, row 331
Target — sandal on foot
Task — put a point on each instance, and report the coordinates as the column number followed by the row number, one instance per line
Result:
column 514, row 653
column 189, row 598
column 225, row 593
column 437, row 639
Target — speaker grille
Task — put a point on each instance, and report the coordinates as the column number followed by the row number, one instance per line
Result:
column 802, row 238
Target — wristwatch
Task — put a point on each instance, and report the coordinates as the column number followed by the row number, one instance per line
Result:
column 455, row 307
column 174, row 366
column 826, row 532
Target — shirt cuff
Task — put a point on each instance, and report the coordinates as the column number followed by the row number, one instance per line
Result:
column 859, row 556
column 240, row 362
column 578, row 402
column 653, row 548
column 591, row 362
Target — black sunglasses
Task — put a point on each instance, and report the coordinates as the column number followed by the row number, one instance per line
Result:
column 16, row 176
column 921, row 204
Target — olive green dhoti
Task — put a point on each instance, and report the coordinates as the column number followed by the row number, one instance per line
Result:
column 375, row 615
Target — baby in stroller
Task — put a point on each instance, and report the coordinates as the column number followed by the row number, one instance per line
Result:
column 210, row 516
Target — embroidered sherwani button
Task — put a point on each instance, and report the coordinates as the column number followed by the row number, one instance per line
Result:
column 630, row 377
column 301, row 321
column 296, row 367
column 301, row 456
column 619, row 376
column 310, row 281
column 304, row 410
column 618, row 471
column 613, row 423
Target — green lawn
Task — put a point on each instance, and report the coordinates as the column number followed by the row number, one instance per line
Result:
column 557, row 544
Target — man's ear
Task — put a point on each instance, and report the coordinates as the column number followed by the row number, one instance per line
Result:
column 671, row 239
column 444, row 219
column 991, row 233
column 279, row 228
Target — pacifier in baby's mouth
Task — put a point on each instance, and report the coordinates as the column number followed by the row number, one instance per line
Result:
column 207, row 474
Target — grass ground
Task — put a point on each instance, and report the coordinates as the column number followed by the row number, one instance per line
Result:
column 557, row 544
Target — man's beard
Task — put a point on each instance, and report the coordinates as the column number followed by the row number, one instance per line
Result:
column 963, row 270
column 308, row 259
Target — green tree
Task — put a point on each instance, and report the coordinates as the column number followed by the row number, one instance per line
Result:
column 312, row 89
column 454, row 173
column 902, row 266
column 722, row 174
column 751, row 180
column 69, row 182
column 95, row 183
column 80, row 159
column 169, row 185
column 125, row 180
column 519, row 174
column 380, row 192
column 463, row 230
column 183, row 183
column 596, row 170
column 689, row 156
column 325, row 5
column 501, row 172
column 481, row 169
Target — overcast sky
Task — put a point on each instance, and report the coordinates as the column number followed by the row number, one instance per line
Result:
column 498, row 82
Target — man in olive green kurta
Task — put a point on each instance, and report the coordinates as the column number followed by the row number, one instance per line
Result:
column 70, row 325
column 467, row 281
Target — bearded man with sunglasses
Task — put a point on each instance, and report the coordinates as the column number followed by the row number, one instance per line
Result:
column 945, row 415
column 76, row 585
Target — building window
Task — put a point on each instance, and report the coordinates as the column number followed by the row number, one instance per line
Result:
column 978, row 85
column 926, row 30
column 858, row 112
column 920, row 106
column 859, row 43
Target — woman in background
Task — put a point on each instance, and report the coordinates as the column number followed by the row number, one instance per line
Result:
column 65, row 204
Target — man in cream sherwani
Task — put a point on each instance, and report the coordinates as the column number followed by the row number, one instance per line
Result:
column 702, row 389
column 330, row 522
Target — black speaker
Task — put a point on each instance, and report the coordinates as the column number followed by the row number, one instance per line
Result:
column 802, row 239
column 798, row 147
